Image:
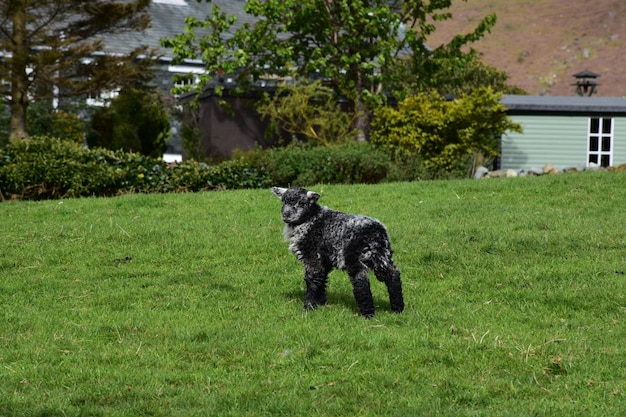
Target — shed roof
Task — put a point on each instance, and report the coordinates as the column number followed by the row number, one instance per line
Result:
column 517, row 104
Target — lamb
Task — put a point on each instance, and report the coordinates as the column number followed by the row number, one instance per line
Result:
column 323, row 239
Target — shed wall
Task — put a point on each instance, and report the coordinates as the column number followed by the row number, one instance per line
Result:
column 558, row 140
column 619, row 141
column 224, row 130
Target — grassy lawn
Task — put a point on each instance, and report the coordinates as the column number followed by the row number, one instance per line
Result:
column 191, row 305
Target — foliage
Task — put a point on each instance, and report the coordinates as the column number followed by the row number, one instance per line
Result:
column 443, row 131
column 190, row 305
column 309, row 112
column 43, row 120
column 354, row 45
column 452, row 74
column 5, row 121
column 50, row 50
column 191, row 135
column 135, row 121
column 346, row 163
column 40, row 168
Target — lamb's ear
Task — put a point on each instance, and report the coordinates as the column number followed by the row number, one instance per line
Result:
column 313, row 197
column 278, row 191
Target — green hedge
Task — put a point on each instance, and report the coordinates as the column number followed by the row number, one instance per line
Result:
column 348, row 163
column 47, row 168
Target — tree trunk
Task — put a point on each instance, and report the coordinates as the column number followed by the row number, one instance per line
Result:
column 19, row 77
column 362, row 120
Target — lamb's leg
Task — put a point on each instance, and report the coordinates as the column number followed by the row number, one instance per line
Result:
column 315, row 279
column 390, row 275
column 362, row 293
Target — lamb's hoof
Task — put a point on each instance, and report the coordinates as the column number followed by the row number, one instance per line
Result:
column 397, row 308
column 309, row 306
column 368, row 315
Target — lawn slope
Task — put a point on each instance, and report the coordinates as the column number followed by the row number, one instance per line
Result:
column 191, row 305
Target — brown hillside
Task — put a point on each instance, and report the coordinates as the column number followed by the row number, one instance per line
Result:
column 542, row 43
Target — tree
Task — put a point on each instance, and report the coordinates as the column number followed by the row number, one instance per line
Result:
column 49, row 49
column 135, row 121
column 453, row 74
column 355, row 46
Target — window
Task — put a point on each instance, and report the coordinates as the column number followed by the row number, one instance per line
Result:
column 600, row 141
column 101, row 98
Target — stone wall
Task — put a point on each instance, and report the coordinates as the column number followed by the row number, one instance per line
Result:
column 548, row 169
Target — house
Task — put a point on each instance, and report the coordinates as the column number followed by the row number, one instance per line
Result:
column 574, row 131
column 167, row 20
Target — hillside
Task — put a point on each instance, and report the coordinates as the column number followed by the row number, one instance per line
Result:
column 542, row 43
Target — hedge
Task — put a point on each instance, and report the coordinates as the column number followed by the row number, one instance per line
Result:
column 40, row 168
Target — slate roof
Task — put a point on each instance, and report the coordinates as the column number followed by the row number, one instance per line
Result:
column 564, row 104
column 168, row 19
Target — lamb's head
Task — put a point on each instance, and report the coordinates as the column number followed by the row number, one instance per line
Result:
column 299, row 204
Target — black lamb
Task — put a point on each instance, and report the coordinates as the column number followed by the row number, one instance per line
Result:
column 323, row 239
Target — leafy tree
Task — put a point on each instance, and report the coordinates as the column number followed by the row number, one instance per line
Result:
column 354, row 45
column 307, row 111
column 50, row 50
column 443, row 131
column 452, row 75
column 135, row 121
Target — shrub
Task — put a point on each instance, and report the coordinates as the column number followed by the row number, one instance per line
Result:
column 308, row 112
column 43, row 167
column 353, row 162
column 443, row 132
column 47, row 168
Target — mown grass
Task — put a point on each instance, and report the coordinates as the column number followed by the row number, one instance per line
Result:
column 191, row 305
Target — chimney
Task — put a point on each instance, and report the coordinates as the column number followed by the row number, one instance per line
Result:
column 586, row 83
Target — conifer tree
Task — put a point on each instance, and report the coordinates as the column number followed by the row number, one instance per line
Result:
column 53, row 48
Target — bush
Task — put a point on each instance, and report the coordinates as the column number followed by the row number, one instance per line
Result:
column 443, row 132
column 349, row 163
column 47, row 168
column 308, row 112
column 41, row 168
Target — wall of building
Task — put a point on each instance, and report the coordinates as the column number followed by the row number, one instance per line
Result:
column 619, row 141
column 547, row 139
column 225, row 129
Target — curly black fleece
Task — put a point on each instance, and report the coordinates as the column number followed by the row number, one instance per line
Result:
column 323, row 239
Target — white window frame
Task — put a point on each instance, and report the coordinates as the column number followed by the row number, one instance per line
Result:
column 596, row 142
column 102, row 98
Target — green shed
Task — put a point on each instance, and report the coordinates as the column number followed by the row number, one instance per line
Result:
column 564, row 131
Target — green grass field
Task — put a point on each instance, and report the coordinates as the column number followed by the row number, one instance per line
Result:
column 191, row 305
